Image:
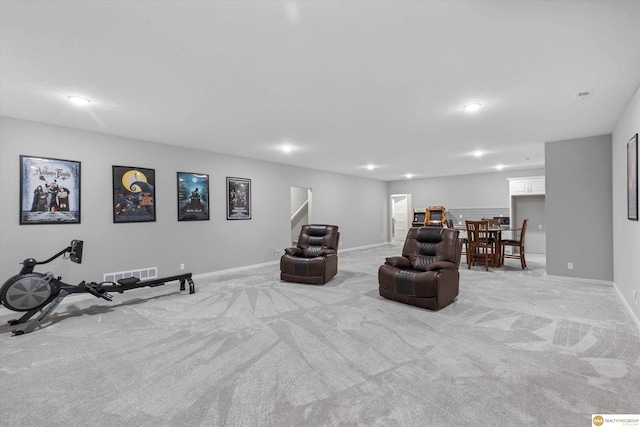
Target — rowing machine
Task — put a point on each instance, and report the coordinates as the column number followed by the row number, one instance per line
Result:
column 31, row 292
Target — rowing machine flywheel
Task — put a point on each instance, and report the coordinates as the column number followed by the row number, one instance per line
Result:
column 29, row 291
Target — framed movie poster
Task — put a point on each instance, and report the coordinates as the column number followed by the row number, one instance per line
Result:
column 238, row 198
column 632, row 178
column 193, row 196
column 49, row 191
column 134, row 194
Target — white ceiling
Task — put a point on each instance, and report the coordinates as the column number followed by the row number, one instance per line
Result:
column 348, row 83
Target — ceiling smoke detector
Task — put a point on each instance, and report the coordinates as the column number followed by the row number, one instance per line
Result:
column 583, row 95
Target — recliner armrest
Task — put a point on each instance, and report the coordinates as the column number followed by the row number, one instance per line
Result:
column 442, row 265
column 293, row 251
column 398, row 262
column 327, row 251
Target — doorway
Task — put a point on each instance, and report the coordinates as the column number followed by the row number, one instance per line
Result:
column 400, row 216
column 300, row 210
column 533, row 208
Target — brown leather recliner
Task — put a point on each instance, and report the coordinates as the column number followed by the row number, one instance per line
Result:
column 426, row 275
column 315, row 259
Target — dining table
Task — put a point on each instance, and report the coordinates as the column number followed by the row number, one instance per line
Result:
column 495, row 234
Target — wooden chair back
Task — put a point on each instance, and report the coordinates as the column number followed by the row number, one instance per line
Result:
column 480, row 245
column 493, row 223
column 515, row 244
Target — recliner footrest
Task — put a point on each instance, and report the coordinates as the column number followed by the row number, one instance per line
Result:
column 128, row 281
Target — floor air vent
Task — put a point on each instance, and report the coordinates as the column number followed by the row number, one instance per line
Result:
column 142, row 274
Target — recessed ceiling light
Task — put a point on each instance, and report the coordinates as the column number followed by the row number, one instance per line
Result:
column 478, row 153
column 472, row 107
column 78, row 100
column 370, row 167
column 286, row 148
column 500, row 167
column 409, row 175
column 293, row 12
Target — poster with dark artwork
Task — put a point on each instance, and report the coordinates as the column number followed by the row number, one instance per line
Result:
column 238, row 198
column 632, row 178
column 49, row 191
column 134, row 194
column 193, row 196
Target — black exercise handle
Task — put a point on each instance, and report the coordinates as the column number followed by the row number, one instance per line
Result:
column 96, row 289
column 29, row 263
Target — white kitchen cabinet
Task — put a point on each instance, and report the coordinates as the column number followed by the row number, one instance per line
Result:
column 526, row 186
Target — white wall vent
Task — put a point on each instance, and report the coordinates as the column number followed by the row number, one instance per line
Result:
column 142, row 274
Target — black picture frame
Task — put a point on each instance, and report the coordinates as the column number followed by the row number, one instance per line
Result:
column 238, row 198
column 134, row 194
column 49, row 190
column 193, row 196
column 632, row 178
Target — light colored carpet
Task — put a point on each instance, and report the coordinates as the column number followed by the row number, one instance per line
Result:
column 515, row 349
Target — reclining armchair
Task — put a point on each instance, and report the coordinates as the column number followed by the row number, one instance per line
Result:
column 315, row 259
column 426, row 275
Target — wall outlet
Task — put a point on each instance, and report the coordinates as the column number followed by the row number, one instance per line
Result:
column 570, row 266
column 181, row 267
column 635, row 297
column 276, row 252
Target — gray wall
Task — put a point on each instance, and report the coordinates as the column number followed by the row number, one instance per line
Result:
column 478, row 191
column 626, row 234
column 487, row 190
column 578, row 208
column 203, row 246
column 574, row 188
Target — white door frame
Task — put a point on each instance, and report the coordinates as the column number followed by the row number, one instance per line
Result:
column 406, row 216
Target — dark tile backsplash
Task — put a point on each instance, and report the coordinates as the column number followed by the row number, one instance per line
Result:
column 460, row 215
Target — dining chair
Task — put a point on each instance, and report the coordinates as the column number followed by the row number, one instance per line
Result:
column 494, row 237
column 515, row 244
column 492, row 222
column 462, row 237
column 480, row 246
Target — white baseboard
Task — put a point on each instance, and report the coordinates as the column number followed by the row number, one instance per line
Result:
column 578, row 279
column 80, row 297
column 635, row 319
column 375, row 245
column 627, row 306
column 265, row 264
column 234, row 270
